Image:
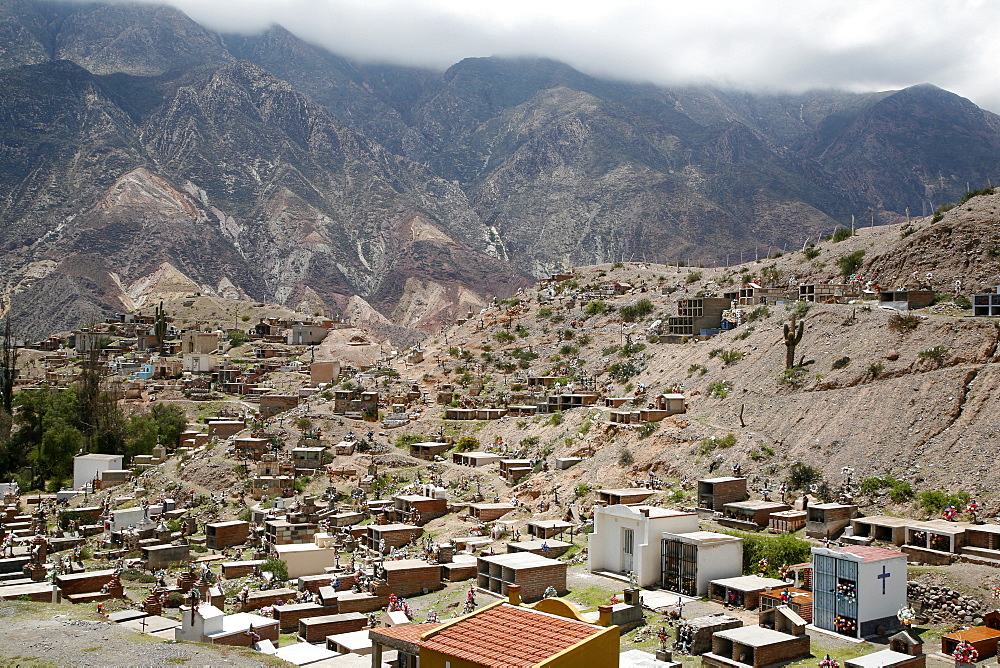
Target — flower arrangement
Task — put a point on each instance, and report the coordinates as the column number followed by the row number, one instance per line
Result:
column 763, row 564
column 847, row 590
column 906, row 616
column 827, row 662
column 996, row 593
column 845, row 624
column 950, row 513
column 965, row 653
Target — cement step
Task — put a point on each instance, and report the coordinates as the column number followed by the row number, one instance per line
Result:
column 13, row 564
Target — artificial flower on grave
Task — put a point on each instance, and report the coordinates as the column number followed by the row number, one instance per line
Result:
column 906, row 616
column 965, row 652
column 827, row 662
column 847, row 590
column 845, row 624
column 950, row 513
column 973, row 508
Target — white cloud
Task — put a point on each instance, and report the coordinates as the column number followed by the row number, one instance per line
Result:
column 777, row 45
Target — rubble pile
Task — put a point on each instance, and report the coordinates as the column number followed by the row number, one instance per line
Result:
column 938, row 604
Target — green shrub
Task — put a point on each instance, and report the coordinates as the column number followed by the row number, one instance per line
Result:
column 647, row 429
column 276, row 567
column 596, row 308
column 729, row 356
column 812, row 253
column 903, row 322
column 900, row 491
column 610, row 350
column 802, row 476
column 630, row 349
column 842, row 363
column 544, row 312
column 793, row 377
column 300, row 484
column 746, row 332
column 841, row 234
column 581, row 490
column 962, row 302
column 625, row 457
column 849, row 264
column 693, row 277
column 503, row 336
column 719, row 388
column 875, row 369
column 935, row 501
column 936, row 354
column 467, row 444
column 780, row 550
column 976, row 193
column 555, row 419
column 697, row 369
column 711, row 443
column 758, row 313
column 622, row 371
column 634, row 312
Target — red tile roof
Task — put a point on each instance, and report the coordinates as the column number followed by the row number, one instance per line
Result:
column 507, row 635
column 407, row 632
column 868, row 553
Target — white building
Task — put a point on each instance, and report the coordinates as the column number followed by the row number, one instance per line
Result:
column 208, row 624
column 857, row 589
column 628, row 538
column 199, row 362
column 307, row 558
column 692, row 560
column 87, row 467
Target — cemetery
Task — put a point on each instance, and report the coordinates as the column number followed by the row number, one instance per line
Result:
column 546, row 503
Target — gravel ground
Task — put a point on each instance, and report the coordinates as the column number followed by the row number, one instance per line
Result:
column 60, row 635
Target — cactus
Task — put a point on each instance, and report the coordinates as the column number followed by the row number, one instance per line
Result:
column 792, row 337
column 160, row 325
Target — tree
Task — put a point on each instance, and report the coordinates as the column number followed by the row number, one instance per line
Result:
column 160, row 325
column 792, row 338
column 8, row 371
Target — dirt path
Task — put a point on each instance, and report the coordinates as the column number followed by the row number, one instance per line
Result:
column 63, row 635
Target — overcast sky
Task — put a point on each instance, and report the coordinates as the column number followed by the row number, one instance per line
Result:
column 774, row 45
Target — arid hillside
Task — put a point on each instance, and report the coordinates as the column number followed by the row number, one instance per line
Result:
column 877, row 391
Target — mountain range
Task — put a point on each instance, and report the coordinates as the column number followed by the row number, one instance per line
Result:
column 137, row 144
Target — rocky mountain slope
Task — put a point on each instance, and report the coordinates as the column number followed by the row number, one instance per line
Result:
column 134, row 137
column 911, row 402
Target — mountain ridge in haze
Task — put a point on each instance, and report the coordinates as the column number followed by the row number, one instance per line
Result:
column 303, row 175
